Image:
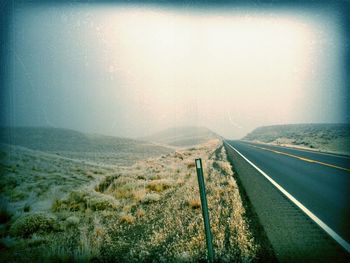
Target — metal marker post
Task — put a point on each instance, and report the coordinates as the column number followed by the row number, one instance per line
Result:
column 205, row 212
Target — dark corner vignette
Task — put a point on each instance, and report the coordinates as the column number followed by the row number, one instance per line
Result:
column 151, row 192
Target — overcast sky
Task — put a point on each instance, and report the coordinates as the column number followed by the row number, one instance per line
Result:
column 134, row 70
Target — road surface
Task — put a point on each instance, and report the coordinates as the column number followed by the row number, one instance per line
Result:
column 319, row 181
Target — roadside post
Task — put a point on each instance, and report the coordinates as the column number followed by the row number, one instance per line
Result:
column 205, row 212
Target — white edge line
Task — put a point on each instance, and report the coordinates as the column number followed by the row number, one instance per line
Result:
column 318, row 221
column 339, row 155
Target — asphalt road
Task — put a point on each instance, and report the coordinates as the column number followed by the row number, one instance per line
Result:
column 319, row 181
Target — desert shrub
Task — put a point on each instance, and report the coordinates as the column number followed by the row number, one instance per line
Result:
column 99, row 230
column 180, row 182
column 101, row 187
column 194, row 203
column 57, row 205
column 101, row 202
column 191, row 165
column 150, row 198
column 216, row 166
column 124, row 191
column 120, row 181
column 140, row 212
column 83, row 247
column 178, row 155
column 72, row 221
column 159, row 185
column 76, row 201
column 84, row 199
column 29, row 224
column 154, row 176
column 127, row 219
column 139, row 194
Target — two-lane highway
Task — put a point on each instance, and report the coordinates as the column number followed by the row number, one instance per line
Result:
column 319, row 181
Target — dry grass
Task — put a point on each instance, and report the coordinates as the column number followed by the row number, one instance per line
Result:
column 194, row 203
column 159, row 185
column 151, row 198
column 147, row 212
column 171, row 226
column 140, row 213
column 191, row 165
column 127, row 219
column 139, row 194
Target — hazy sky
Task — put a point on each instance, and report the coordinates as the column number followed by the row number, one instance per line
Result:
column 133, row 70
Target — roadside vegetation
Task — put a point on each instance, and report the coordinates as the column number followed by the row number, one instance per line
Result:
column 58, row 210
column 320, row 137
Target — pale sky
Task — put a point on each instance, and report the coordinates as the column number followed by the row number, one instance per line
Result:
column 134, row 70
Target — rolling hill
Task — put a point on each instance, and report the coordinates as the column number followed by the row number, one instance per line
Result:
column 182, row 136
column 67, row 196
column 77, row 145
column 323, row 137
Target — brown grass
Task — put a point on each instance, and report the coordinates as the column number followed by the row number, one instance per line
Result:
column 152, row 214
column 191, row 165
column 123, row 193
column 127, row 219
column 194, row 203
column 140, row 213
column 159, row 185
column 139, row 194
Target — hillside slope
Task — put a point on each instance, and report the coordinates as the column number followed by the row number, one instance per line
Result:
column 56, row 209
column 183, row 136
column 77, row 145
column 322, row 137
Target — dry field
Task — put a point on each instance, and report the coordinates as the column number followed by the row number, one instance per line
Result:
column 56, row 209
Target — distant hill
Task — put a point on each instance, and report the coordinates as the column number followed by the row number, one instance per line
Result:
column 325, row 137
column 182, row 136
column 79, row 145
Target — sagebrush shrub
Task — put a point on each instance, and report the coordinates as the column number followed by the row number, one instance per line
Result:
column 159, row 185
column 150, row 198
column 72, row 221
column 29, row 224
column 82, row 199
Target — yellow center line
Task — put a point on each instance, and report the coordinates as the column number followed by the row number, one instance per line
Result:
column 302, row 158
